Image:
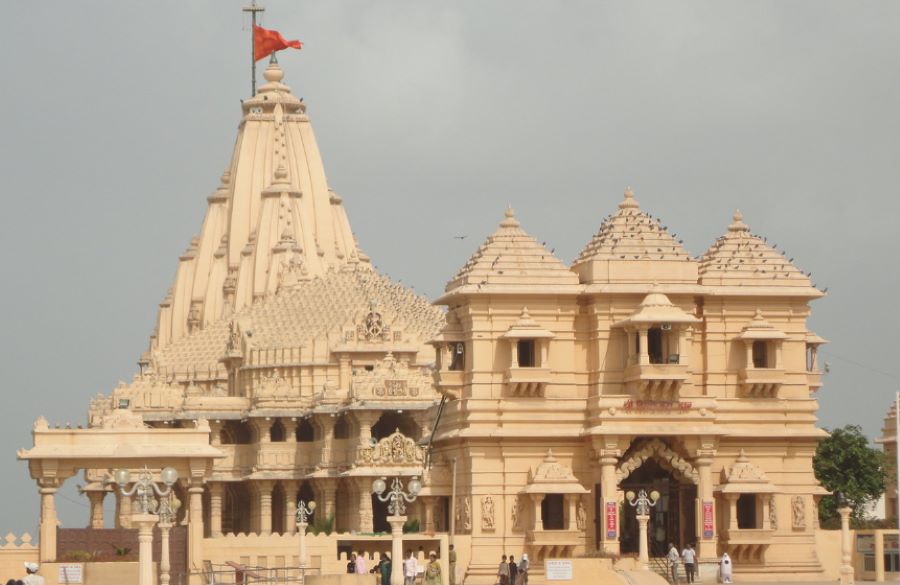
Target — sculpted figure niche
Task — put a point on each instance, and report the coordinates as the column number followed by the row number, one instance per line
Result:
column 487, row 513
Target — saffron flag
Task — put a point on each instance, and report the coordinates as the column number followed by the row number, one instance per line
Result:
column 267, row 42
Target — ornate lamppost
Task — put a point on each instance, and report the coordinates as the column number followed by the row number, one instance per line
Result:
column 304, row 511
column 397, row 499
column 642, row 504
column 844, row 509
column 168, row 512
column 146, row 491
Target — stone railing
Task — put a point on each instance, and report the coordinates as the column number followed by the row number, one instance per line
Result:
column 16, row 550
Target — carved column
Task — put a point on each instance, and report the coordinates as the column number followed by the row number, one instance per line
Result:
column 215, row 432
column 96, row 499
column 706, row 547
column 732, row 512
column 429, row 503
column 537, row 500
column 216, row 494
column 643, row 349
column 49, row 521
column 365, row 419
column 365, row 515
column 290, row 429
column 195, row 529
column 327, row 444
column 264, row 488
column 766, row 503
column 327, row 490
column 609, row 458
column 345, row 373
column 571, row 511
column 263, row 427
column 291, row 487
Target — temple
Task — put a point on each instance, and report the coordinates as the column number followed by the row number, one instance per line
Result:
column 530, row 397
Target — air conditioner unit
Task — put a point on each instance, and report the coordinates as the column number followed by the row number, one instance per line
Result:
column 666, row 326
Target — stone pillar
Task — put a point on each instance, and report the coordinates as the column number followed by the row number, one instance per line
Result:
column 643, row 349
column 364, row 514
column 571, row 511
column 327, row 444
column 396, row 523
column 144, row 524
column 732, row 512
column 537, row 500
column 290, row 429
column 328, row 489
column 165, row 566
column 345, row 373
column 263, row 426
column 195, row 531
column 365, row 420
column 643, row 549
column 779, row 360
column 608, row 489
column 879, row 556
column 847, row 577
column 216, row 495
column 428, row 503
column 544, row 348
column 707, row 547
column 766, row 504
column 96, row 499
column 49, row 521
column 265, row 506
column 124, row 510
column 291, row 489
column 749, row 352
column 215, row 432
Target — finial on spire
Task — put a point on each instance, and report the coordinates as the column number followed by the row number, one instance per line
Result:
column 510, row 220
column 738, row 225
column 273, row 73
column 629, row 201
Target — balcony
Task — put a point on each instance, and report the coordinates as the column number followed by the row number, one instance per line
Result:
column 527, row 382
column 761, row 382
column 747, row 545
column 556, row 544
column 657, row 381
column 239, row 459
column 449, row 382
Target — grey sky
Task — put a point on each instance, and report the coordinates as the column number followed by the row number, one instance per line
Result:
column 119, row 118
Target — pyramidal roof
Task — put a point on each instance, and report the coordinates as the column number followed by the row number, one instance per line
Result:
column 272, row 222
column 511, row 257
column 740, row 258
column 632, row 246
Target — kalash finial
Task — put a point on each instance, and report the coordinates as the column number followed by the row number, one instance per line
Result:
column 628, row 202
column 738, row 225
column 273, row 73
column 510, row 220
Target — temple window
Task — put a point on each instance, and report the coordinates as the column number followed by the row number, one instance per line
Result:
column 457, row 356
column 761, row 354
column 342, row 428
column 305, row 432
column 553, row 512
column 526, row 354
column 277, row 433
column 392, row 421
column 236, row 433
column 746, row 511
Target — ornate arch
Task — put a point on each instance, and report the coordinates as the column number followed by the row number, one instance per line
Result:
column 664, row 455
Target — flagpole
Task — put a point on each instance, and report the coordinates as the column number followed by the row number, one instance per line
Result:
column 253, row 9
column 897, row 452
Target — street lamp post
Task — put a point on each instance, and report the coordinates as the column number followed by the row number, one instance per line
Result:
column 844, row 509
column 304, row 511
column 146, row 491
column 642, row 504
column 397, row 499
column 168, row 512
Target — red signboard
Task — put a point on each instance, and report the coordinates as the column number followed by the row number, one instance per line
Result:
column 612, row 519
column 707, row 519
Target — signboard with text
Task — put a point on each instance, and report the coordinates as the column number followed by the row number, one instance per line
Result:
column 558, row 570
column 70, row 573
column 612, row 519
column 708, row 519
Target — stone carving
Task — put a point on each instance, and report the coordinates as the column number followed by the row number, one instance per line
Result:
column 773, row 514
column 234, row 344
column 516, row 513
column 373, row 328
column 798, row 512
column 40, row 424
column 662, row 454
column 395, row 449
column 464, row 513
column 274, row 385
column 581, row 516
column 293, row 271
column 123, row 418
column 391, row 378
column 487, row 513
column 744, row 471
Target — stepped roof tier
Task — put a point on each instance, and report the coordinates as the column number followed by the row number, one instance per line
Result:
column 742, row 259
column 510, row 260
column 632, row 247
column 273, row 221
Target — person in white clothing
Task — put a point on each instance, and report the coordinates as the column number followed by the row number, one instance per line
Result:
column 410, row 568
column 31, row 577
column 689, row 557
column 725, row 568
column 672, row 558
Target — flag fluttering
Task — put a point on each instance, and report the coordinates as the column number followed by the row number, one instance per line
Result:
column 267, row 42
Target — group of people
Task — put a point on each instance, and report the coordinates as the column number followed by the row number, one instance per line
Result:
column 510, row 573
column 689, row 557
column 431, row 572
column 31, row 576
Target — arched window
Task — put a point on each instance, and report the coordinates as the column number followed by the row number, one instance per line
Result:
column 342, row 428
column 457, row 356
column 392, row 420
column 277, row 433
column 305, row 431
column 760, row 354
column 526, row 353
column 235, row 432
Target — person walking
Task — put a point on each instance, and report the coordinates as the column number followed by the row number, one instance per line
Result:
column 523, row 570
column 410, row 568
column 689, row 557
column 432, row 570
column 725, row 568
column 513, row 571
column 503, row 571
column 672, row 558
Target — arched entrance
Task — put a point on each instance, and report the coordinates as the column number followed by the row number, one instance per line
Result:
column 653, row 465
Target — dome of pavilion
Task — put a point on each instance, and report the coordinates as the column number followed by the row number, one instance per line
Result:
column 633, row 247
column 276, row 258
column 740, row 258
column 510, row 258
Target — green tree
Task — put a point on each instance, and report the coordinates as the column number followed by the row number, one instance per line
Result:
column 844, row 462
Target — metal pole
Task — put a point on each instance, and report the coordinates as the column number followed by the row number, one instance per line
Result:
column 897, row 453
column 253, row 9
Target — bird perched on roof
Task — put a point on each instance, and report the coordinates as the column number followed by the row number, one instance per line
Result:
column 460, row 237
